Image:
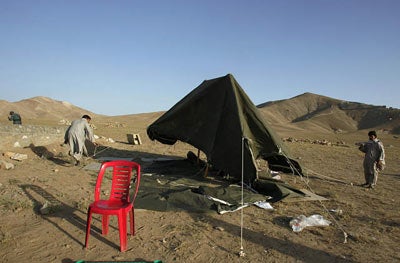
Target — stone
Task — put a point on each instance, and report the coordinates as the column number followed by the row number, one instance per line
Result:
column 6, row 165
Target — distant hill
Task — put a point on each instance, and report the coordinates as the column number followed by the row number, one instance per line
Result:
column 42, row 108
column 307, row 111
column 312, row 111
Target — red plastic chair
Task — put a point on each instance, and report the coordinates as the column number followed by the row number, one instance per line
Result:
column 119, row 202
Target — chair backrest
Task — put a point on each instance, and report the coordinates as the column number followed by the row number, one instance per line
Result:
column 122, row 171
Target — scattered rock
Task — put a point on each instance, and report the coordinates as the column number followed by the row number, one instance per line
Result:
column 15, row 156
column 115, row 125
column 219, row 228
column 6, row 165
column 320, row 142
column 45, row 209
column 64, row 122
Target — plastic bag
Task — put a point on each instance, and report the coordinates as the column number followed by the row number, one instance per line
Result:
column 300, row 222
column 264, row 205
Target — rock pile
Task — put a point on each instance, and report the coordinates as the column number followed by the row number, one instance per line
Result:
column 321, row 142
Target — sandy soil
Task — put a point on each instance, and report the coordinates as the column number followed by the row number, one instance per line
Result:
column 370, row 218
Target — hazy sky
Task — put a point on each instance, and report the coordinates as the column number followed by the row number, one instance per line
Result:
column 125, row 57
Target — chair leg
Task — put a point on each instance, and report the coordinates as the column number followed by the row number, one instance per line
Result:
column 105, row 221
column 88, row 222
column 122, row 231
column 132, row 222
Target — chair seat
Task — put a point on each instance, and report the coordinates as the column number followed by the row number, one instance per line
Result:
column 105, row 206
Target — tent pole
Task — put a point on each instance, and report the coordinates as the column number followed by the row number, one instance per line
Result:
column 206, row 171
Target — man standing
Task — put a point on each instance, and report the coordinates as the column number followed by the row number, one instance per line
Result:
column 15, row 117
column 75, row 136
column 374, row 159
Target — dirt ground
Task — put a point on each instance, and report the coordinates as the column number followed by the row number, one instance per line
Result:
column 365, row 222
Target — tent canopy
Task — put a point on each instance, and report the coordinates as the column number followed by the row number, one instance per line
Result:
column 219, row 119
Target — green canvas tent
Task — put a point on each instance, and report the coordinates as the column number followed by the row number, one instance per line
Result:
column 219, row 119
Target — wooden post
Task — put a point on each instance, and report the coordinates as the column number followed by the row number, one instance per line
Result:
column 137, row 139
column 134, row 139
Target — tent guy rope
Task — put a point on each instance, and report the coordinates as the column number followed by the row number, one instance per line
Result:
column 95, row 151
column 241, row 253
column 306, row 182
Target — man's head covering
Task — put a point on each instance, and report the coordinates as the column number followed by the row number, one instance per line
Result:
column 86, row 117
column 372, row 133
column 11, row 112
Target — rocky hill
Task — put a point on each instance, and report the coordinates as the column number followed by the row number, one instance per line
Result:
column 42, row 108
column 321, row 113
